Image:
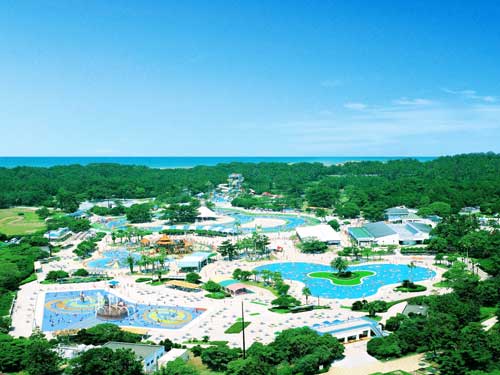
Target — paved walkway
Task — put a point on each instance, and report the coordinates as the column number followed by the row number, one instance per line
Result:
column 489, row 323
column 392, row 311
column 23, row 313
column 358, row 361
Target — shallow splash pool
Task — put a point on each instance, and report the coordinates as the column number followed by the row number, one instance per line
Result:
column 67, row 310
column 385, row 274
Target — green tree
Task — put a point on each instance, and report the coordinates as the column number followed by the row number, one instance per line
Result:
column 285, row 302
column 139, row 213
column 56, row 275
column 13, row 353
column 104, row 361
column 130, row 262
column 411, row 267
column 212, row 286
column 340, row 264
column 82, row 272
column 306, row 292
column 227, row 249
column 177, row 367
column 313, row 246
column 102, row 333
column 193, row 277
column 41, row 359
column 334, row 224
column 43, row 212
column 249, row 366
column 348, row 210
column 217, row 357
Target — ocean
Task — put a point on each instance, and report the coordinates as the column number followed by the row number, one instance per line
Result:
column 188, row 161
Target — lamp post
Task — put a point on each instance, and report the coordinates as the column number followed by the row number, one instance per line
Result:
column 243, row 329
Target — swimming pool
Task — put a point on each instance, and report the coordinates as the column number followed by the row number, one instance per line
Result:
column 113, row 259
column 385, row 274
column 67, row 310
column 291, row 221
column 240, row 218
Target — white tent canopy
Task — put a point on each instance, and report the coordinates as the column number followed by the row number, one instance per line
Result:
column 206, row 213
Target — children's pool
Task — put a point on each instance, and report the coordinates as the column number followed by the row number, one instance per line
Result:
column 77, row 309
column 385, row 274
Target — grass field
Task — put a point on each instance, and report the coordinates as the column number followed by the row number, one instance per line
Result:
column 237, row 327
column 417, row 288
column 354, row 279
column 195, row 362
column 18, row 221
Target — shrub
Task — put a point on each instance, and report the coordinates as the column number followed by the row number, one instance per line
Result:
column 56, row 275
column 81, row 272
column 314, row 246
column 193, row 277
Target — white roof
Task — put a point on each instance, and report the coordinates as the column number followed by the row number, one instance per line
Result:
column 171, row 355
column 206, row 212
column 321, row 232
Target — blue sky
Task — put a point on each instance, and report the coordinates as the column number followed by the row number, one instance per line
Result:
column 165, row 78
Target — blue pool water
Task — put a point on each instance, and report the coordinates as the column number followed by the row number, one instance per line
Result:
column 118, row 223
column 291, row 222
column 240, row 218
column 66, row 310
column 385, row 274
column 113, row 258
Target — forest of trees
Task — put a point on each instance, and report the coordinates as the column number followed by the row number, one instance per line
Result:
column 351, row 188
column 451, row 332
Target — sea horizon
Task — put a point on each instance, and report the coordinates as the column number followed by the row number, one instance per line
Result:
column 167, row 162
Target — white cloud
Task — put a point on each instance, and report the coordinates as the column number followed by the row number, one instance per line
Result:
column 408, row 101
column 397, row 130
column 355, row 106
column 471, row 94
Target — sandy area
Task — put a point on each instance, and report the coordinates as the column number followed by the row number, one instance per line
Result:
column 264, row 223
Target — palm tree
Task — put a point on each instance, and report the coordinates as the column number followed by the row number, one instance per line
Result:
column 255, row 273
column 266, row 275
column 411, row 266
column 130, row 261
column 161, row 258
column 276, row 277
column 159, row 271
column 366, row 252
column 306, row 292
column 340, row 264
column 144, row 261
column 356, row 252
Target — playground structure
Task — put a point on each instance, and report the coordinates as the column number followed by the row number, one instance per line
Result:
column 171, row 246
column 110, row 307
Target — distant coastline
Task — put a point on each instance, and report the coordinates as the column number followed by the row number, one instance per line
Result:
column 166, row 162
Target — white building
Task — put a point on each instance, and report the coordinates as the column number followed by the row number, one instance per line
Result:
column 382, row 234
column 349, row 330
column 321, row 232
